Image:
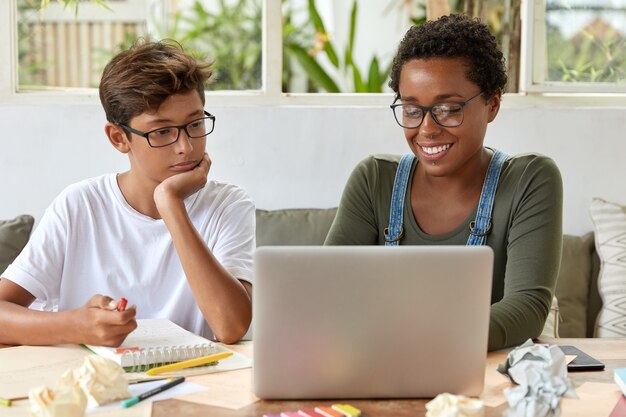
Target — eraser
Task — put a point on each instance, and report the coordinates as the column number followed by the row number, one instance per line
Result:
column 310, row 413
column 329, row 412
column 347, row 410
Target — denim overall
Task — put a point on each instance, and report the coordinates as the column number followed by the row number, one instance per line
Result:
column 479, row 228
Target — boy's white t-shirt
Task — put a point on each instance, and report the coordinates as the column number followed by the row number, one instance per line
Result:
column 91, row 241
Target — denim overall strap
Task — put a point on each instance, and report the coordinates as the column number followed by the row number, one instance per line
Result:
column 395, row 231
column 481, row 227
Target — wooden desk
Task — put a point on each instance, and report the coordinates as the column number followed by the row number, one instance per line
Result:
column 230, row 394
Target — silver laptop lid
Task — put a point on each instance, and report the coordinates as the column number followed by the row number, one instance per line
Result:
column 370, row 321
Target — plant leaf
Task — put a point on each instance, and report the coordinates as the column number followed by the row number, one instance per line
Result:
column 359, row 85
column 349, row 60
column 318, row 23
column 313, row 69
column 374, row 82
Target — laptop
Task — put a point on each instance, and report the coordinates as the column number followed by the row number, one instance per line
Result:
column 370, row 321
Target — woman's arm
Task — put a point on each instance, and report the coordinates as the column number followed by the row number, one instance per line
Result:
column 355, row 222
column 533, row 256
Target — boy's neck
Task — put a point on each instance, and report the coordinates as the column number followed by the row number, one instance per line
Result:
column 139, row 196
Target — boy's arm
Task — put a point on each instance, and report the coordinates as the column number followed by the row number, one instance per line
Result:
column 94, row 323
column 225, row 301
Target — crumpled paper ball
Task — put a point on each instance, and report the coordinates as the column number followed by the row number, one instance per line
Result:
column 541, row 372
column 66, row 401
column 101, row 379
column 449, row 405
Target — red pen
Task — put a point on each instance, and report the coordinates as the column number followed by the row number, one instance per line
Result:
column 121, row 305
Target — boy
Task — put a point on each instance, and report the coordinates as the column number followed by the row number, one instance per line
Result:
column 158, row 234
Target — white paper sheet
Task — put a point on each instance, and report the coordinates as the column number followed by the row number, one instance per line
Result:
column 185, row 388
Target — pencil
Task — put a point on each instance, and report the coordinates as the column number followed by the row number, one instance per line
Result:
column 134, row 400
column 6, row 402
column 142, row 381
column 189, row 363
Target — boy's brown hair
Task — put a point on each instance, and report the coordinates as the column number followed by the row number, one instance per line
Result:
column 140, row 78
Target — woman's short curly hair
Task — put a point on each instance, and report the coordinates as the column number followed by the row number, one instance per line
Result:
column 455, row 36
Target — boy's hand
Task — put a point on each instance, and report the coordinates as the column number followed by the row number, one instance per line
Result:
column 182, row 185
column 99, row 323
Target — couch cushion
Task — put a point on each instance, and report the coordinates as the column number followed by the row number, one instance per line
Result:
column 609, row 221
column 13, row 236
column 572, row 287
column 293, row 226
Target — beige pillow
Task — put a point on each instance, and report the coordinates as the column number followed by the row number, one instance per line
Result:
column 610, row 235
column 13, row 237
column 551, row 328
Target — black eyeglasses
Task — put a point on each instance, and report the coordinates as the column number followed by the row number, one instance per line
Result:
column 167, row 135
column 411, row 116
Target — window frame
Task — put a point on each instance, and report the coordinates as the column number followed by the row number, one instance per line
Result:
column 533, row 59
column 541, row 95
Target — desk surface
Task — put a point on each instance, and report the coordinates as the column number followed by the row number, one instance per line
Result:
column 230, row 394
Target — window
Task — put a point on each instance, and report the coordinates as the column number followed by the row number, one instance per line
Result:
column 341, row 46
column 67, row 47
column 576, row 46
column 278, row 51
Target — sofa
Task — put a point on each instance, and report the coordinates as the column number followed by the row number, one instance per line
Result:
column 577, row 289
column 577, row 293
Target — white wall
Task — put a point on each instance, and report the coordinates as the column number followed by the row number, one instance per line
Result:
column 300, row 156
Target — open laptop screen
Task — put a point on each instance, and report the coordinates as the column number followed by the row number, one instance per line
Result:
column 370, row 321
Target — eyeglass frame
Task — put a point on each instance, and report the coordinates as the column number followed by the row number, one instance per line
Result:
column 145, row 135
column 428, row 109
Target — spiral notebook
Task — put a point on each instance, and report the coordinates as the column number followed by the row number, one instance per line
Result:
column 156, row 342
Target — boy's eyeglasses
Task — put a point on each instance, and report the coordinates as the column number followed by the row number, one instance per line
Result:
column 167, row 135
column 411, row 116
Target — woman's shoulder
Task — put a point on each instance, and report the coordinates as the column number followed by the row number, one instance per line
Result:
column 373, row 169
column 530, row 162
column 379, row 163
column 531, row 172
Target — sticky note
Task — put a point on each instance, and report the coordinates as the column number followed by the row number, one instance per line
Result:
column 290, row 414
column 271, row 415
column 310, row 413
column 347, row 410
column 620, row 379
column 329, row 412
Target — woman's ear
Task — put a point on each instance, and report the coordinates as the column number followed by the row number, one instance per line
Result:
column 494, row 105
column 117, row 136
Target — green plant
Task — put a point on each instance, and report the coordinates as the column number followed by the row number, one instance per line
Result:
column 307, row 56
column 230, row 35
column 29, row 73
column 73, row 3
column 586, row 57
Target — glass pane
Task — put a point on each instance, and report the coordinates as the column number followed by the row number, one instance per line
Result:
column 58, row 47
column 68, row 47
column 225, row 31
column 586, row 41
column 319, row 54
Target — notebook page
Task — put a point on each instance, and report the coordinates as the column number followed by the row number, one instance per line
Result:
column 157, row 338
column 161, row 333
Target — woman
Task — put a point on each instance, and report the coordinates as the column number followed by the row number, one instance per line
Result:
column 449, row 76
